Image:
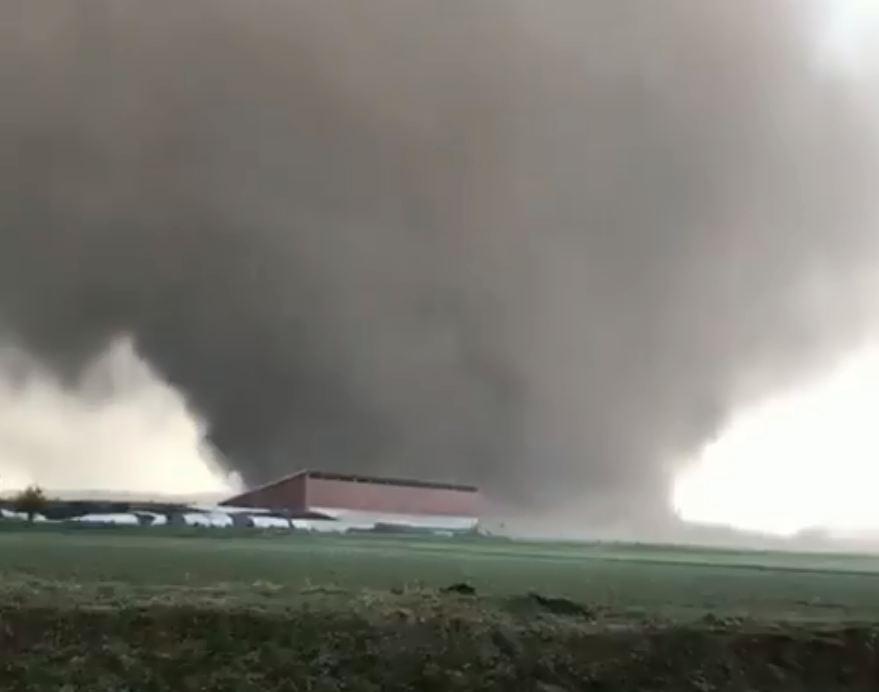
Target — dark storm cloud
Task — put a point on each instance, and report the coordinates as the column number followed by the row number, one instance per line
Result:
column 531, row 245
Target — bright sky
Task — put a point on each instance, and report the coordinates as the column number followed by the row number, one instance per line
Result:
column 809, row 457
column 847, row 30
column 133, row 434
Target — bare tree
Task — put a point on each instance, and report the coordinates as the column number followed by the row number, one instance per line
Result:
column 30, row 501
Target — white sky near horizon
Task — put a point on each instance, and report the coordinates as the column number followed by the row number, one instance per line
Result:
column 808, row 457
column 123, row 430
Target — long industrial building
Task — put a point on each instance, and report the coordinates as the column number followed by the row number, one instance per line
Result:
column 366, row 499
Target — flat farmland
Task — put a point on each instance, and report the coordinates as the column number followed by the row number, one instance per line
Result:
column 669, row 582
column 208, row 611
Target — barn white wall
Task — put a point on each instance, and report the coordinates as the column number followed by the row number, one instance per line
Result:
column 449, row 523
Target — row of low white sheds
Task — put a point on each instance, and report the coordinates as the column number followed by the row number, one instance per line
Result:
column 225, row 517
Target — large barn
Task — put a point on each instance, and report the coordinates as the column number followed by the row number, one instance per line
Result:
column 366, row 499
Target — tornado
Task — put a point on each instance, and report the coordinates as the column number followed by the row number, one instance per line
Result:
column 547, row 248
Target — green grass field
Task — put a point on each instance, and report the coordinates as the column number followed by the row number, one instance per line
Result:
column 686, row 582
column 369, row 612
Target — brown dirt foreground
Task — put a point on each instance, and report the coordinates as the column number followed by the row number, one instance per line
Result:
column 440, row 645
